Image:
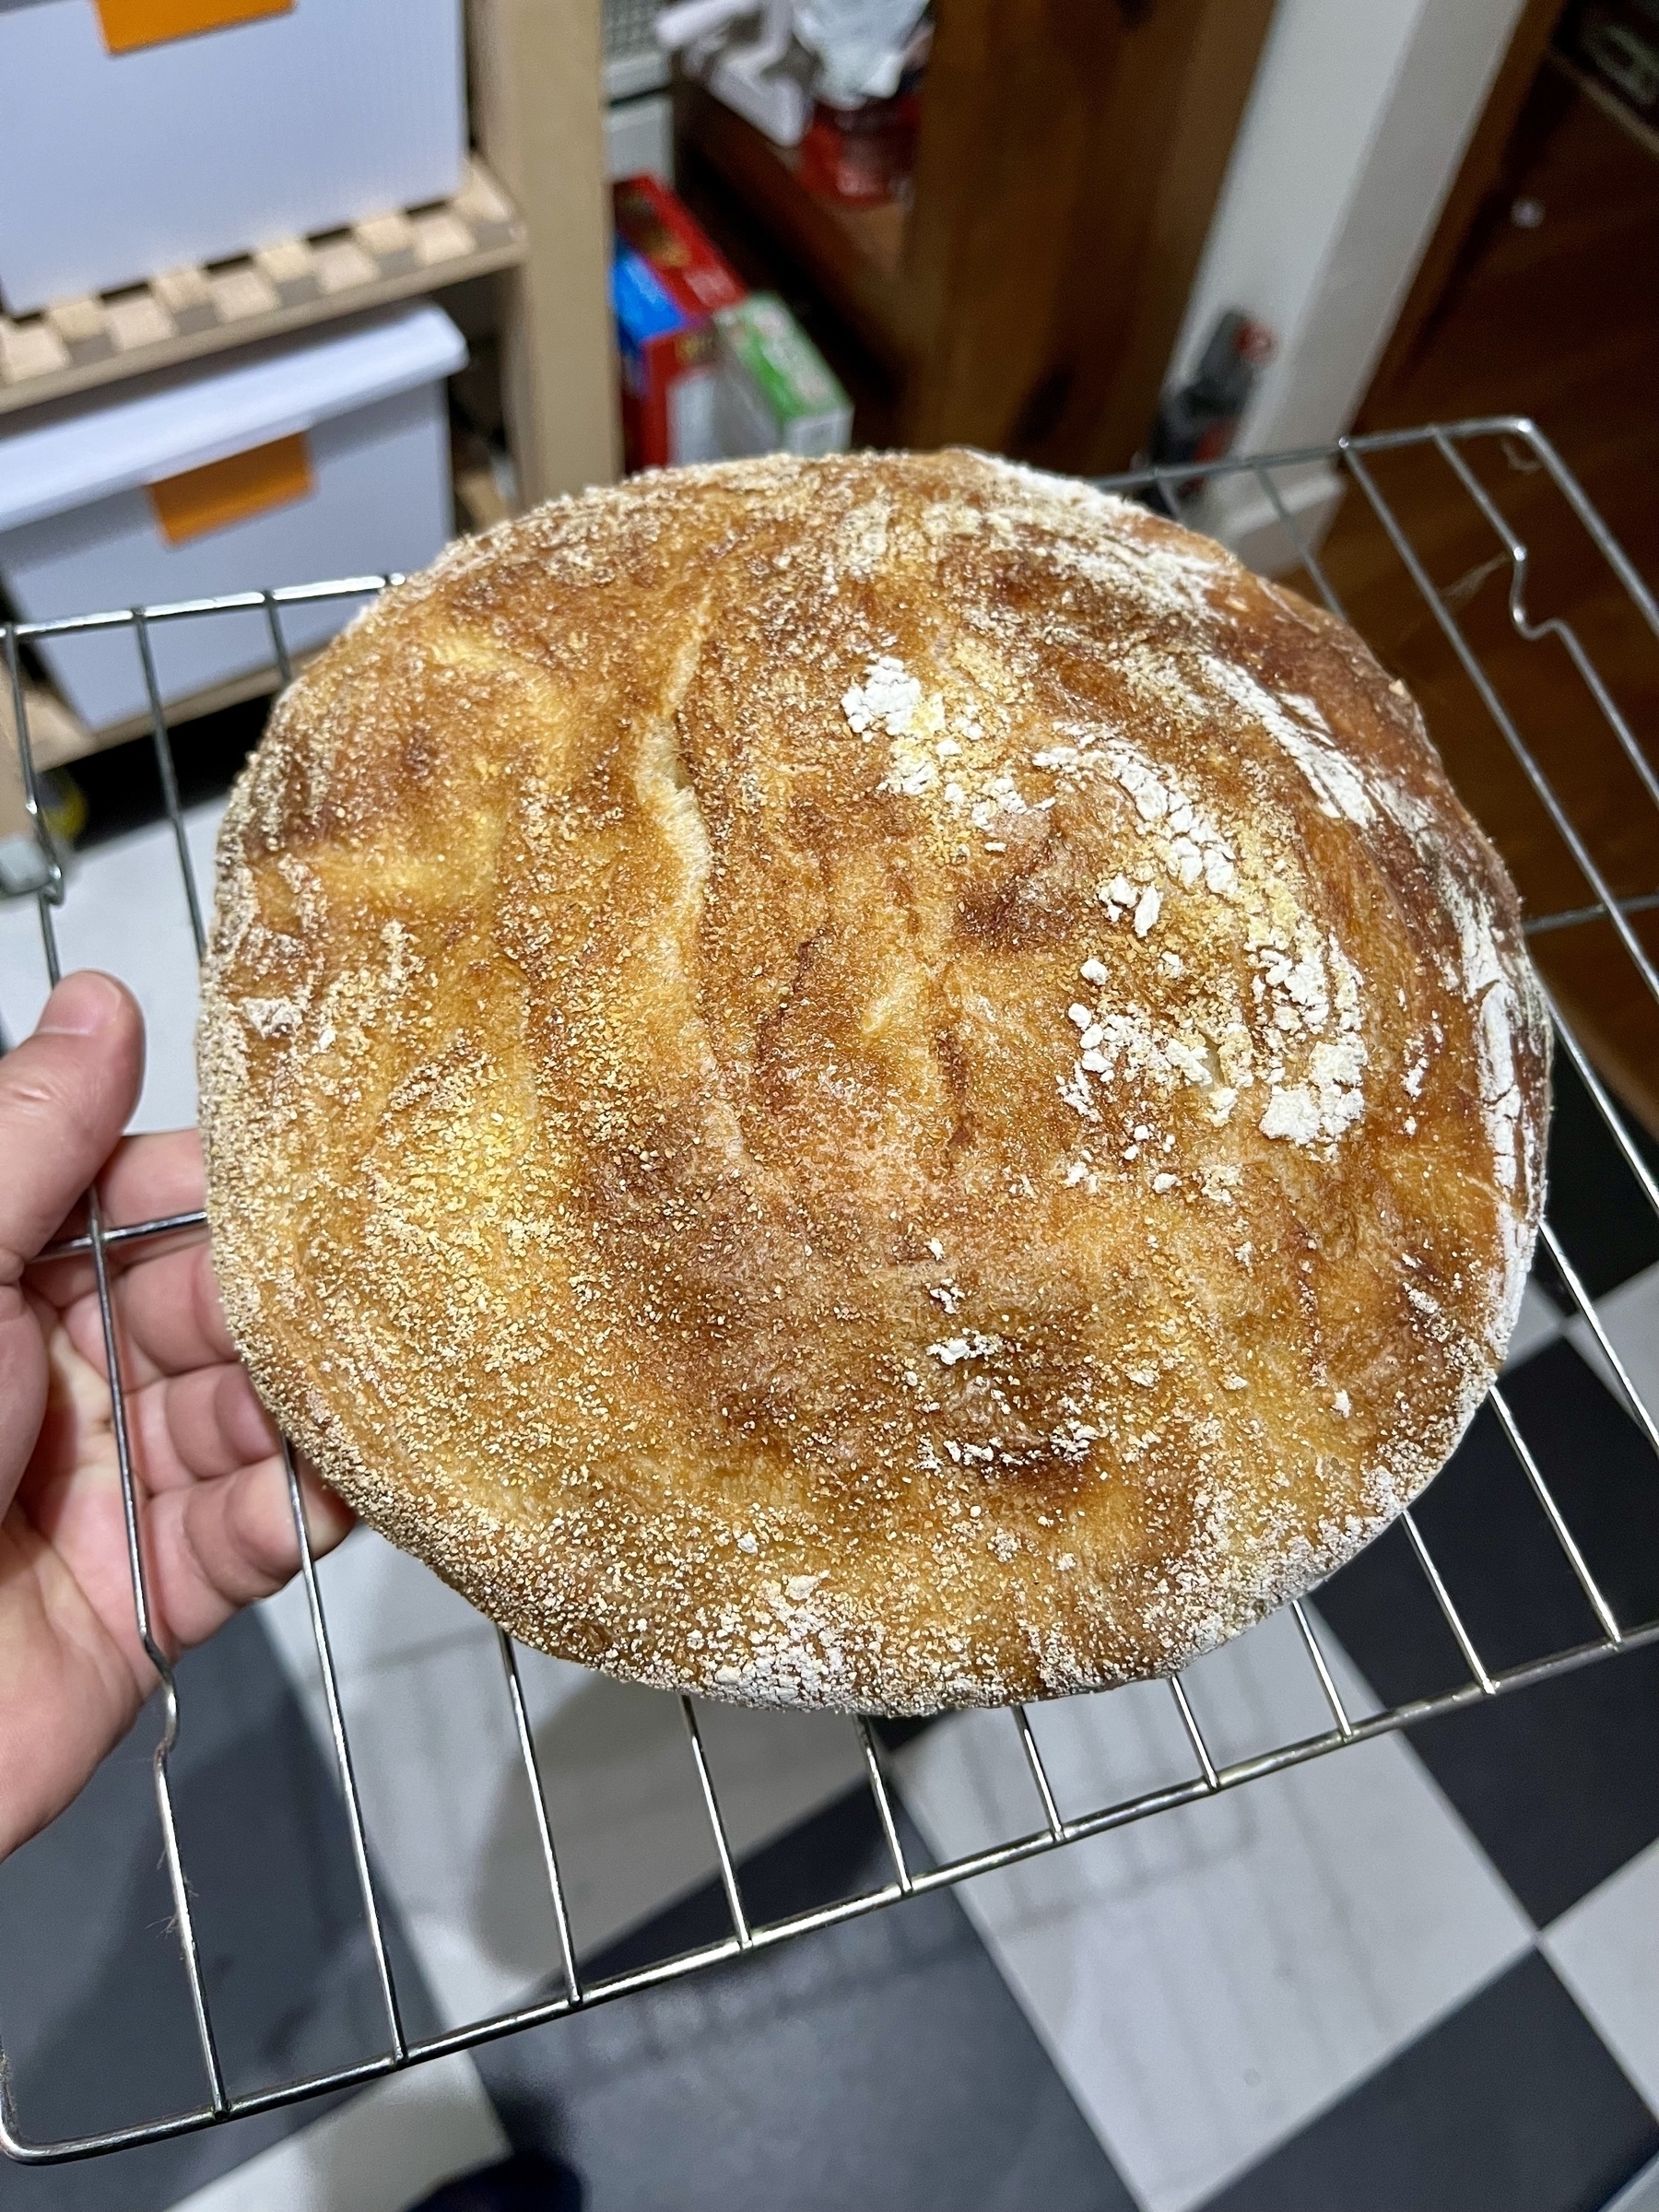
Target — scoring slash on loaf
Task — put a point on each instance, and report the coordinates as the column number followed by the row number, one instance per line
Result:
column 880, row 1083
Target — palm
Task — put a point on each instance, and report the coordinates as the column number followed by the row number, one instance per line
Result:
column 216, row 1525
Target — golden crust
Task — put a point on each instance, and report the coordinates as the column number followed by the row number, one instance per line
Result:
column 878, row 1082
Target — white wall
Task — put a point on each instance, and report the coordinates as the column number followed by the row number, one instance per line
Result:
column 1351, row 140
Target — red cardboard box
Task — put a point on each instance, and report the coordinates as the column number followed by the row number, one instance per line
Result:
column 666, row 283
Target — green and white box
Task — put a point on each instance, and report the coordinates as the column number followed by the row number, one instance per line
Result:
column 776, row 393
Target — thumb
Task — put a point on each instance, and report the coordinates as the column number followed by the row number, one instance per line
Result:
column 66, row 1094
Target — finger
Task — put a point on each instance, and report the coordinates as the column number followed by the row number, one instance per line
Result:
column 23, row 1387
column 81, row 1692
column 147, row 1178
column 168, row 1314
column 144, row 1179
column 197, row 1426
column 216, row 1545
column 150, row 1177
column 64, row 1095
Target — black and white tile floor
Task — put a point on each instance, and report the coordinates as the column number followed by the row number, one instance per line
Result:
column 1423, row 1971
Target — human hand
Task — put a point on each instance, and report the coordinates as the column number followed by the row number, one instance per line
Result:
column 215, row 1526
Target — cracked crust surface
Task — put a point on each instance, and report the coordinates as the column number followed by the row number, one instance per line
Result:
column 878, row 1082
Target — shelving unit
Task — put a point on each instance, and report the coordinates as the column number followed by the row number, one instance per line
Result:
column 537, row 70
column 185, row 314
column 855, row 255
column 531, row 211
column 1069, row 161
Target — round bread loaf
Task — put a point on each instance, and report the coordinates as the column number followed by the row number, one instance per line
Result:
column 880, row 1083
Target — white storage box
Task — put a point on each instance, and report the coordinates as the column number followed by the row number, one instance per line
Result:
column 292, row 463
column 115, row 166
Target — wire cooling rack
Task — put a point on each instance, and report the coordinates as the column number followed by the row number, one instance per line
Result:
column 1462, row 449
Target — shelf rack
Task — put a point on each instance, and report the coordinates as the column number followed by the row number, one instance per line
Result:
column 1452, row 447
column 183, row 314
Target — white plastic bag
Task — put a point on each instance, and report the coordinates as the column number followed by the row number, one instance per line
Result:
column 861, row 44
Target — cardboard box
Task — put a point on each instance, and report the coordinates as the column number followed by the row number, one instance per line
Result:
column 777, row 392
column 293, row 462
column 127, row 149
column 667, row 284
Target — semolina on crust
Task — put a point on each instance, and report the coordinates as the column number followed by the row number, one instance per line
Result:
column 880, row 1083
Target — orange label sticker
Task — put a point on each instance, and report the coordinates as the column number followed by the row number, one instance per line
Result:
column 129, row 24
column 200, row 499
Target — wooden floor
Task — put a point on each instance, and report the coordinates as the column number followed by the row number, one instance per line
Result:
column 1560, row 323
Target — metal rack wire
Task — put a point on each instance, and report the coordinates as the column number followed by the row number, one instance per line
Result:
column 1357, row 458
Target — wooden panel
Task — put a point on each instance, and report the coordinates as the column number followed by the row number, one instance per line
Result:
column 1011, row 113
column 1478, row 176
column 538, row 108
column 1070, row 159
column 1187, row 98
column 54, row 735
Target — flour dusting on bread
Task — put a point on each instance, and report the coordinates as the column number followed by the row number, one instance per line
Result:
column 878, row 1082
